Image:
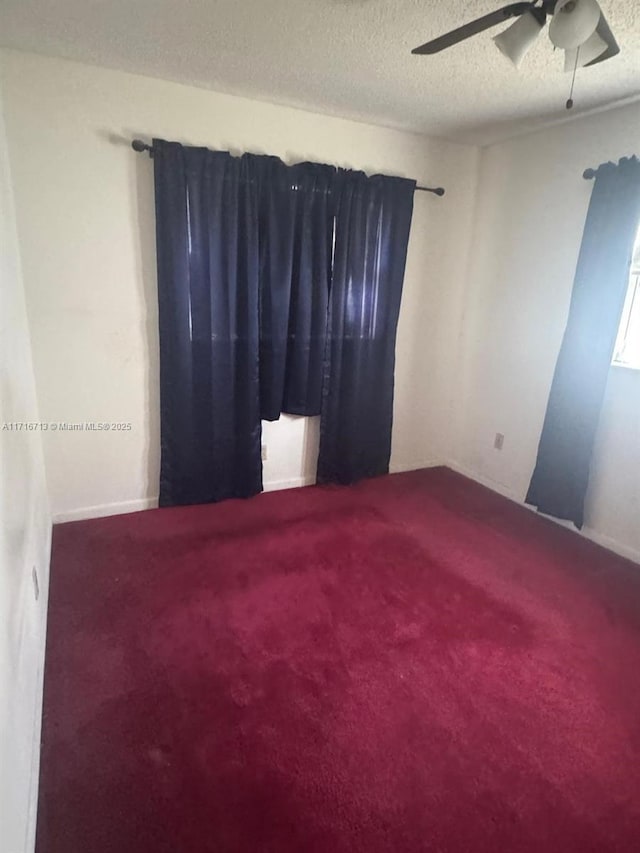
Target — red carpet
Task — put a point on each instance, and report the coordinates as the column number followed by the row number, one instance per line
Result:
column 410, row 664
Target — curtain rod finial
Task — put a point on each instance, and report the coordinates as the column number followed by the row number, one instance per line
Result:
column 588, row 174
column 140, row 146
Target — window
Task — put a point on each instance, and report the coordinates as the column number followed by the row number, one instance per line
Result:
column 627, row 351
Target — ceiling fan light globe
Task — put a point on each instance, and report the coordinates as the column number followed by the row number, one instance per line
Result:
column 587, row 53
column 573, row 23
column 613, row 48
column 516, row 41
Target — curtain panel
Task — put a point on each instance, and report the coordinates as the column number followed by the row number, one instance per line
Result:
column 373, row 218
column 208, row 292
column 561, row 476
column 295, row 235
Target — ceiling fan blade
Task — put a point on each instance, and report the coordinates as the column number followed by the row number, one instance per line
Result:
column 474, row 27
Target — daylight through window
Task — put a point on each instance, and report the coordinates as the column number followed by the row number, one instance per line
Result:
column 627, row 351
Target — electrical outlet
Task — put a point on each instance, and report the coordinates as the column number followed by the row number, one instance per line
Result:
column 36, row 584
column 264, row 452
column 498, row 441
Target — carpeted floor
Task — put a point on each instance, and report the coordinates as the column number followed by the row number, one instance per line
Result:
column 410, row 664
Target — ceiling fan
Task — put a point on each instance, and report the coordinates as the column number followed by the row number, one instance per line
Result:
column 577, row 26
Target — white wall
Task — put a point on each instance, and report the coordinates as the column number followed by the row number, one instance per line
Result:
column 85, row 218
column 24, row 542
column 86, row 223
column 531, row 207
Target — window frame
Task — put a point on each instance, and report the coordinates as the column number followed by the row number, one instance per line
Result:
column 630, row 318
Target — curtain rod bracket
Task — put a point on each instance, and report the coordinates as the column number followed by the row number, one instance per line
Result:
column 139, row 146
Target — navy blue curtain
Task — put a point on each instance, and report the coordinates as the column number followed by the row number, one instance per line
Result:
column 244, row 264
column 208, row 292
column 373, row 218
column 561, row 476
column 295, row 237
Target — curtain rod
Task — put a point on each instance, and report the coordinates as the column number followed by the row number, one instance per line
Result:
column 139, row 146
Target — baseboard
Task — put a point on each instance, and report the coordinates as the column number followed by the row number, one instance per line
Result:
column 101, row 510
column 601, row 539
column 121, row 507
column 401, row 467
column 494, row 485
column 612, row 544
column 295, row 483
column 34, row 782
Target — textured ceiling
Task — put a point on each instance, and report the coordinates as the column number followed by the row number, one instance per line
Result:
column 345, row 57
